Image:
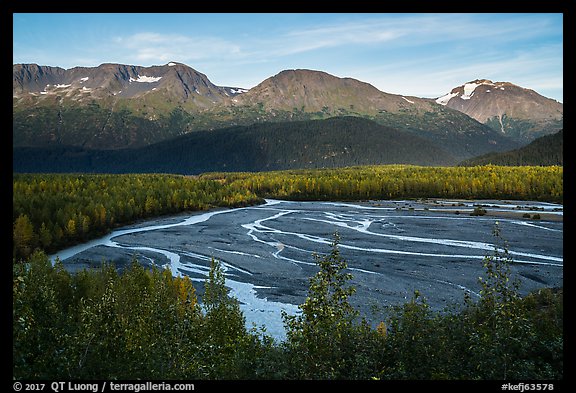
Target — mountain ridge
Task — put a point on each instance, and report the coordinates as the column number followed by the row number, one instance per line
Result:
column 311, row 88
column 116, row 79
column 115, row 106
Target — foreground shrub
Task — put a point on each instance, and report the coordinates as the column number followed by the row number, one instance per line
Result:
column 147, row 324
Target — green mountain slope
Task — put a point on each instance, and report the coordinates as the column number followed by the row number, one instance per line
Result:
column 546, row 150
column 307, row 94
column 116, row 106
column 335, row 142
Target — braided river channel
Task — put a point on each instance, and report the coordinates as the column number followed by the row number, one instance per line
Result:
column 392, row 249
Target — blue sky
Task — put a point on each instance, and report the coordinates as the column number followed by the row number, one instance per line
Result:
column 423, row 55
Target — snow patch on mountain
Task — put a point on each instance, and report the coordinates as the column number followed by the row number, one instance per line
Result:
column 469, row 90
column 444, row 99
column 145, row 79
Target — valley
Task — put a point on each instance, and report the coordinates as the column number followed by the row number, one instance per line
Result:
column 225, row 201
column 287, row 196
column 223, row 262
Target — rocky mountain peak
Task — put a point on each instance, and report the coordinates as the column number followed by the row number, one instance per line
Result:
column 174, row 80
column 513, row 110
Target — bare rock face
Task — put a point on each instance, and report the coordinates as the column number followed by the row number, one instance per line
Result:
column 515, row 111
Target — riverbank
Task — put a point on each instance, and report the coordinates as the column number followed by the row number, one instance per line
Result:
column 522, row 210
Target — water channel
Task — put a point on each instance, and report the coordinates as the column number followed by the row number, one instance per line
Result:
column 392, row 248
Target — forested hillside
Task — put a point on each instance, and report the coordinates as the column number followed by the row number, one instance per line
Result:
column 546, row 150
column 336, row 142
column 52, row 211
column 116, row 106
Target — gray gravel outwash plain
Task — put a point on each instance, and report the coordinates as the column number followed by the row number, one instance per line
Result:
column 392, row 248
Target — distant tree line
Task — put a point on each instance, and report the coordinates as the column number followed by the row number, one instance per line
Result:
column 404, row 181
column 335, row 142
column 52, row 211
column 142, row 323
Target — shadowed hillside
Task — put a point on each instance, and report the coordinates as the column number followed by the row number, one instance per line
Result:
column 335, row 142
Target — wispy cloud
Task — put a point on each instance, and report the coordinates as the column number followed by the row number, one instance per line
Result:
column 525, row 67
column 426, row 55
column 409, row 30
column 330, row 36
column 385, row 32
column 151, row 46
column 413, row 54
column 539, row 69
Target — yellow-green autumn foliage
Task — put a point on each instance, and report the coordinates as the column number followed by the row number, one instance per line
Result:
column 51, row 211
column 405, row 181
column 137, row 324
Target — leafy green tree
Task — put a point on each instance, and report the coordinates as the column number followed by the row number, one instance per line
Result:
column 419, row 343
column 327, row 300
column 323, row 341
column 224, row 329
column 498, row 289
column 45, row 236
column 145, row 323
column 497, row 337
column 42, row 326
column 23, row 236
column 501, row 326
